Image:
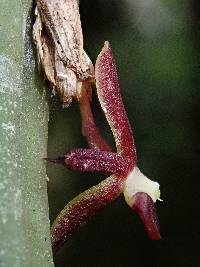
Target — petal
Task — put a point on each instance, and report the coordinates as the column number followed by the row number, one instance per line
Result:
column 96, row 160
column 108, row 91
column 79, row 211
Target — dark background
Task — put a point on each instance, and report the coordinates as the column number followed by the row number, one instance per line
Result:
column 156, row 46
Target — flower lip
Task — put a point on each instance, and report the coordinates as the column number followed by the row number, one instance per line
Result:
column 138, row 182
column 143, row 205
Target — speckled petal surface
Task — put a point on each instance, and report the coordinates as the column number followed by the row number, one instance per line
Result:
column 96, row 160
column 79, row 211
column 108, row 91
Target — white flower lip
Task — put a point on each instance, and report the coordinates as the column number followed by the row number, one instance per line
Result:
column 138, row 182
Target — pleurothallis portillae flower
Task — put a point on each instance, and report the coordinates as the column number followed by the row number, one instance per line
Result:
column 125, row 177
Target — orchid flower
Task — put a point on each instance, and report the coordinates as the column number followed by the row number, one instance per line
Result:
column 125, row 177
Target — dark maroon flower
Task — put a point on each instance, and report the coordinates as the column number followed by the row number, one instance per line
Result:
column 139, row 191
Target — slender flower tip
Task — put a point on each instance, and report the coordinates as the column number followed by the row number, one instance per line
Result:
column 58, row 160
column 106, row 45
column 105, row 49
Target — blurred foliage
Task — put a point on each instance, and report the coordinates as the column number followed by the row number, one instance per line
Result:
column 156, row 46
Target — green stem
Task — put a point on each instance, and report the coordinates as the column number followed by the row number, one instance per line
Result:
column 24, row 212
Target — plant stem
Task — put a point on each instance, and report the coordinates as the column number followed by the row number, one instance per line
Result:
column 24, row 212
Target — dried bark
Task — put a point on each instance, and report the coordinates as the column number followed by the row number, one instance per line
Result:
column 59, row 40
